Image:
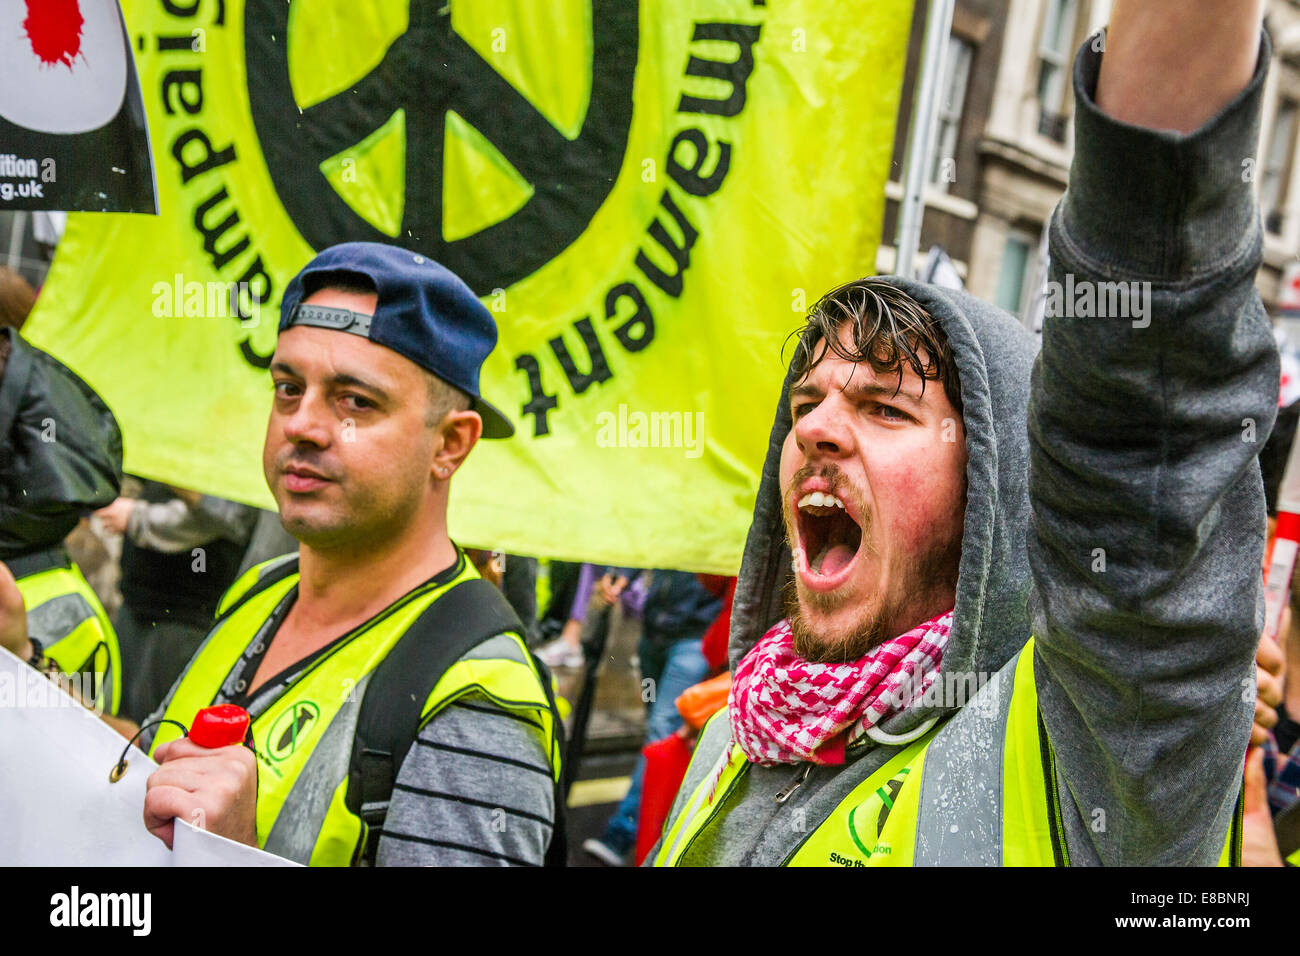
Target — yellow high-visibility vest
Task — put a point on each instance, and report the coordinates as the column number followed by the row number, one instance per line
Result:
column 304, row 739
column 978, row 790
column 66, row 616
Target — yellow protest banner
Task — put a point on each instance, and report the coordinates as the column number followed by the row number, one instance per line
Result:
column 647, row 196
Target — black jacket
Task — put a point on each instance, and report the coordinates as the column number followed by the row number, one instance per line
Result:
column 60, row 450
column 678, row 606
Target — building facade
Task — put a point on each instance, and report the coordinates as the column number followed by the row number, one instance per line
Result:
column 1005, row 141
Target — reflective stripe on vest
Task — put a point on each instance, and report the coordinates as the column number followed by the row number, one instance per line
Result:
column 244, row 583
column 304, row 739
column 978, row 790
column 65, row 615
column 984, row 753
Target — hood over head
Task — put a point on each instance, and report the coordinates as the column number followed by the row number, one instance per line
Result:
column 994, row 355
column 60, row 450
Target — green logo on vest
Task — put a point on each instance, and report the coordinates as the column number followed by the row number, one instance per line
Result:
column 289, row 729
column 860, row 817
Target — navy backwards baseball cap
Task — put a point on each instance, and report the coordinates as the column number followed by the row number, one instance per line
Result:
column 425, row 312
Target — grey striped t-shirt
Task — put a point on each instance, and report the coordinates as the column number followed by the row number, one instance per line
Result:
column 475, row 790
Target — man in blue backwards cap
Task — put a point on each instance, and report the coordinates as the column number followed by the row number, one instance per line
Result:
column 397, row 715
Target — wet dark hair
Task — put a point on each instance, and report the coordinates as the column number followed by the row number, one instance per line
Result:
column 889, row 329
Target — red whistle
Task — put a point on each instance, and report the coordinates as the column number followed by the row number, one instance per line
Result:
column 220, row 726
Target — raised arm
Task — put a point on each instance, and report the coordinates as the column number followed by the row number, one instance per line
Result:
column 1175, row 64
column 1155, row 389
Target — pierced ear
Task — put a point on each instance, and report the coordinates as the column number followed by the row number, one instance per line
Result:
column 460, row 433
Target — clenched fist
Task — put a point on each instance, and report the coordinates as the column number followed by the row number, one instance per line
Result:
column 213, row 789
column 1270, row 668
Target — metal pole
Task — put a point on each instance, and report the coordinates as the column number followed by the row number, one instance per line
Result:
column 16, row 233
column 1036, row 308
column 594, row 652
column 920, row 134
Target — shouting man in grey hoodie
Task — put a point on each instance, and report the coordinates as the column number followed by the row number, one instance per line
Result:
column 1002, row 609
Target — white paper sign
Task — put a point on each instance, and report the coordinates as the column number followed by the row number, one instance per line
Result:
column 57, row 804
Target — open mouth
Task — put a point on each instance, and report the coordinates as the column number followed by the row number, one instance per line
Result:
column 829, row 538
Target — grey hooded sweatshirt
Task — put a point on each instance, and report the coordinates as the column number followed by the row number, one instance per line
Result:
column 1114, row 511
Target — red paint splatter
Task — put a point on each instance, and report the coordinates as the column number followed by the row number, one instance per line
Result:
column 54, row 27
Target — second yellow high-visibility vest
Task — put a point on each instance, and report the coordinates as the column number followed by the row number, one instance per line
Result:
column 66, row 616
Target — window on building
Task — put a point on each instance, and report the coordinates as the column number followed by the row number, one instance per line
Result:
column 1017, row 256
column 951, row 102
column 1276, row 173
column 1054, row 49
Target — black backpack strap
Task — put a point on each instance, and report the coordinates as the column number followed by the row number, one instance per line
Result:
column 389, row 718
column 557, row 853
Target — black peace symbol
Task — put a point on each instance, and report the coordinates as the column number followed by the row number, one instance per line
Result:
column 427, row 71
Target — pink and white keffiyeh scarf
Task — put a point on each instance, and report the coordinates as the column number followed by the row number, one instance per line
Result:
column 784, row 709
